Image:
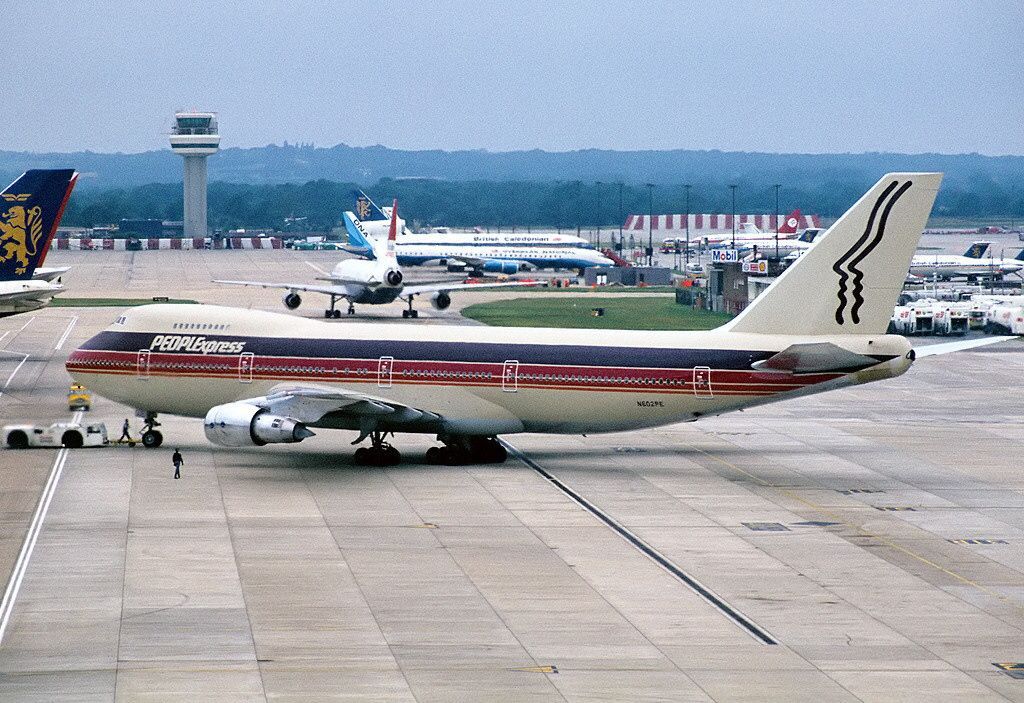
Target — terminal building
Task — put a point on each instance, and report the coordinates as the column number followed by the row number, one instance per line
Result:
column 195, row 137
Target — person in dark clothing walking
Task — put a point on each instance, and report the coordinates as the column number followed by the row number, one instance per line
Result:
column 177, row 461
column 124, row 431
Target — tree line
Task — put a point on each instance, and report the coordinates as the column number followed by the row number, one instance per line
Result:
column 565, row 204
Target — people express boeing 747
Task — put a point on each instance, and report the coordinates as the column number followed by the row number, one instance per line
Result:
column 258, row 377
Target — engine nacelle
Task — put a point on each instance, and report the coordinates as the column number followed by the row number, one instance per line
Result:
column 292, row 300
column 501, row 267
column 393, row 277
column 245, row 425
column 440, row 300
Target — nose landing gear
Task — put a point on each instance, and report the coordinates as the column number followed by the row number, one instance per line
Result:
column 151, row 438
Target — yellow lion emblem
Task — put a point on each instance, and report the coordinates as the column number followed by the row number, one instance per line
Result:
column 21, row 230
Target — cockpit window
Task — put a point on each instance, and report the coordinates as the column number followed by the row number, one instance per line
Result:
column 121, row 320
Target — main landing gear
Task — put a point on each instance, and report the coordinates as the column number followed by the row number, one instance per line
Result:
column 410, row 312
column 151, row 438
column 458, row 451
column 379, row 453
column 333, row 312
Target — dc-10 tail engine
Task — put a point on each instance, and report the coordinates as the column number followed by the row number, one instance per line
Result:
column 245, row 425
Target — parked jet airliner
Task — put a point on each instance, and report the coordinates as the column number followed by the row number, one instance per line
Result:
column 30, row 210
column 260, row 377
column 375, row 282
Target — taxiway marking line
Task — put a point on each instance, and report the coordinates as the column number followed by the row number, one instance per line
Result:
column 4, row 336
column 29, row 545
column 67, row 333
column 315, row 267
column 16, row 368
column 30, row 321
column 702, row 591
column 872, row 535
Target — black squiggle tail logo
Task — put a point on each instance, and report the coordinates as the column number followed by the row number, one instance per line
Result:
column 885, row 204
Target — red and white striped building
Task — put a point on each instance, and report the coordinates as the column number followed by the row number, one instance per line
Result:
column 675, row 225
column 153, row 243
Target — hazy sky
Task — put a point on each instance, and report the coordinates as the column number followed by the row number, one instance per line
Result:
column 768, row 76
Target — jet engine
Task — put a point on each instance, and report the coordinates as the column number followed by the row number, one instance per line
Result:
column 393, row 277
column 245, row 425
column 501, row 267
column 292, row 300
column 440, row 300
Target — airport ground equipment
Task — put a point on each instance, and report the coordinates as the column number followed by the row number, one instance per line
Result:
column 60, row 434
column 1005, row 319
column 79, row 398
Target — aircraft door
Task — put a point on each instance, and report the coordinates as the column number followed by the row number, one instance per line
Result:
column 702, row 381
column 510, row 376
column 384, row 370
column 142, row 364
column 245, row 364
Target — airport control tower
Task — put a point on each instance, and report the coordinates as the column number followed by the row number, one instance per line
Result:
column 195, row 137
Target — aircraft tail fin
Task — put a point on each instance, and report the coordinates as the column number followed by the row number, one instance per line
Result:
column 850, row 280
column 791, row 223
column 1020, row 255
column 389, row 250
column 30, row 210
column 358, row 243
column 977, row 250
column 367, row 210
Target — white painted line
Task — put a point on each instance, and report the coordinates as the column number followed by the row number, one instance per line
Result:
column 30, row 321
column 16, row 369
column 315, row 267
column 4, row 335
column 34, row 528
column 67, row 333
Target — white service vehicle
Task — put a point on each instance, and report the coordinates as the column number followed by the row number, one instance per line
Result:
column 1005, row 319
column 60, row 434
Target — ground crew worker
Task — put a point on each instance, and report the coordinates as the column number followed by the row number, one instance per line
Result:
column 124, row 431
column 177, row 461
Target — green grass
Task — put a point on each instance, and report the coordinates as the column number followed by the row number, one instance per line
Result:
column 63, row 302
column 654, row 313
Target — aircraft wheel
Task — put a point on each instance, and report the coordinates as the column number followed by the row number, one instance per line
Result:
column 151, row 439
column 328, row 314
column 71, row 439
column 390, row 455
column 454, row 456
column 17, row 440
column 337, row 314
column 414, row 313
column 434, row 456
column 405, row 313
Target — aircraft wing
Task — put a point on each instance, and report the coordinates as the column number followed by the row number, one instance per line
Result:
column 410, row 291
column 339, row 291
column 48, row 274
column 313, row 405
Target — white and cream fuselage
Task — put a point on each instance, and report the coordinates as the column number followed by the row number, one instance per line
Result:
column 185, row 359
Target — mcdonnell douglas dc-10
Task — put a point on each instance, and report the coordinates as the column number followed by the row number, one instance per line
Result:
column 261, row 377
column 376, row 282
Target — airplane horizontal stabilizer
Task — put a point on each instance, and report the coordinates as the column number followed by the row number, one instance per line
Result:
column 962, row 345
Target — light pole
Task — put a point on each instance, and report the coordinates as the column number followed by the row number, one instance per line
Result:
column 776, row 186
column 733, row 189
column 687, row 255
column 598, row 185
column 650, row 223
column 620, row 219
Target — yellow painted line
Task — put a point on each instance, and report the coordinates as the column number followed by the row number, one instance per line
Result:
column 836, row 517
column 549, row 669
